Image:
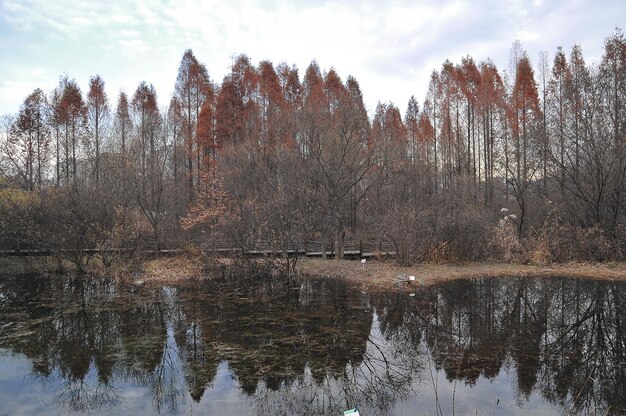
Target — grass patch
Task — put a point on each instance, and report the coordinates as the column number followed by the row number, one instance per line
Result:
column 387, row 275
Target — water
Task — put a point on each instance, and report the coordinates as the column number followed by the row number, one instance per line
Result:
column 486, row 347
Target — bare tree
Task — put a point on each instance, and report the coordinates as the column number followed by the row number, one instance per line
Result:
column 97, row 118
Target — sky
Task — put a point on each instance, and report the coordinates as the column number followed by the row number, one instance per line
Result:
column 391, row 47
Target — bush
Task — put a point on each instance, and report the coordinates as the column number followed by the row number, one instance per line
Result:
column 467, row 232
column 563, row 243
column 504, row 238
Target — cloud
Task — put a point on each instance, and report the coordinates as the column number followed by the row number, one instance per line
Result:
column 17, row 82
column 390, row 47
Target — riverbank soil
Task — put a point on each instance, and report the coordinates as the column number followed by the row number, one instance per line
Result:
column 385, row 275
column 375, row 275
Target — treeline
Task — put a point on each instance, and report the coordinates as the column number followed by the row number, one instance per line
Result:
column 528, row 163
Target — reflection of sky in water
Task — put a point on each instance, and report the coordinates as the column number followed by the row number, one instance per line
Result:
column 24, row 394
column 18, row 395
column 478, row 399
column 415, row 387
column 223, row 397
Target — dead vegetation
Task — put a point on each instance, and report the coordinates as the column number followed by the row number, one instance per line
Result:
column 375, row 275
column 379, row 275
column 387, row 275
column 172, row 269
column 190, row 268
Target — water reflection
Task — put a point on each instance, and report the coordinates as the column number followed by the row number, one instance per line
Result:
column 315, row 349
column 564, row 338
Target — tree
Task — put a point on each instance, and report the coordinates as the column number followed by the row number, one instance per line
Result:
column 210, row 203
column 544, row 71
column 28, row 143
column 344, row 166
column 122, row 168
column 314, row 108
column 300, row 158
column 153, row 153
column 591, row 175
column 193, row 87
column 237, row 118
column 56, row 121
column 73, row 115
column 560, row 74
column 76, row 219
column 175, row 128
column 432, row 103
column 388, row 132
column 272, row 107
column 205, row 132
column 613, row 69
column 470, row 83
column 97, row 115
column 411, row 120
column 577, row 87
column 425, row 139
column 491, row 101
column 525, row 116
column 292, row 96
column 146, row 123
column 123, row 122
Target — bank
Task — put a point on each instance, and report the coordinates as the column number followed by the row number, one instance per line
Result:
column 372, row 275
column 377, row 275
column 385, row 275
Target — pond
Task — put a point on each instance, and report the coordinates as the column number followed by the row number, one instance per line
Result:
column 480, row 347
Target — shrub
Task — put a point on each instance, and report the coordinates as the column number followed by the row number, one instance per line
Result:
column 562, row 243
column 504, row 238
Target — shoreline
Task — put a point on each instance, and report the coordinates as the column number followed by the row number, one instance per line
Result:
column 374, row 275
column 387, row 275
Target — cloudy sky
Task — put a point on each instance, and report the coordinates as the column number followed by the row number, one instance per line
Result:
column 390, row 47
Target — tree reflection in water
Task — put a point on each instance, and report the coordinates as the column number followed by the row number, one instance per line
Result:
column 319, row 348
column 564, row 337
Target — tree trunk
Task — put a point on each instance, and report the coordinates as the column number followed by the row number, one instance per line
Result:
column 341, row 239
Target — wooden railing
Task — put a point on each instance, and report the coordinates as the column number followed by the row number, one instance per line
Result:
column 310, row 248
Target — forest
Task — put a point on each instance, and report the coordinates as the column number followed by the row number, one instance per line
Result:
column 524, row 164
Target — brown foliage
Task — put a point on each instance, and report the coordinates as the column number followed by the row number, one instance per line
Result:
column 209, row 205
column 299, row 159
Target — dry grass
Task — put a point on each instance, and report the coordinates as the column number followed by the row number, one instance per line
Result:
column 167, row 270
column 387, row 275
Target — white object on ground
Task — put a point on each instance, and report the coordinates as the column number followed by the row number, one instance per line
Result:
column 411, row 278
column 351, row 412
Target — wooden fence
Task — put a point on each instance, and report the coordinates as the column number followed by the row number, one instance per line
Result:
column 309, row 248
